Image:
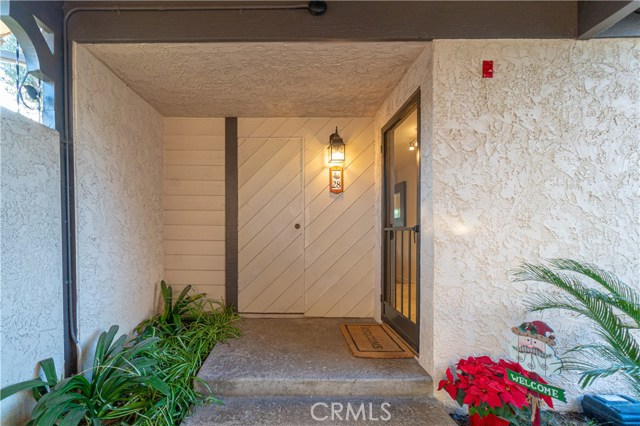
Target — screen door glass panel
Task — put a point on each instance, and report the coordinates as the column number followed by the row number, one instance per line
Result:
column 270, row 228
column 401, row 231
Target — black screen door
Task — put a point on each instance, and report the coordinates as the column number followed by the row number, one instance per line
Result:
column 401, row 218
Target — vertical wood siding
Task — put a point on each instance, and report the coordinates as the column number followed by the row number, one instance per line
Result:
column 339, row 229
column 194, row 204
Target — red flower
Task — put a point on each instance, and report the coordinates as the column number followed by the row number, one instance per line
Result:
column 484, row 390
column 484, row 384
column 488, row 420
column 514, row 396
column 449, row 385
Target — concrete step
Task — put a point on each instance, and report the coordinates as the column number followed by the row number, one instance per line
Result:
column 306, row 357
column 307, row 411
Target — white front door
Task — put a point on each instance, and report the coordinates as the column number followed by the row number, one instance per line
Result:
column 270, row 225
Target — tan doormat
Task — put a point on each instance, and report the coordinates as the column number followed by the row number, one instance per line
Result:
column 374, row 341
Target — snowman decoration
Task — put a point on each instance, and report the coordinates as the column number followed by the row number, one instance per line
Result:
column 533, row 348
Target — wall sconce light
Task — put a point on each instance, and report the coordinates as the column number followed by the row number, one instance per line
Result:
column 336, row 158
column 336, row 149
column 413, row 145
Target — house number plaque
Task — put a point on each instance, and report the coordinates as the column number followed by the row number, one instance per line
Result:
column 336, row 180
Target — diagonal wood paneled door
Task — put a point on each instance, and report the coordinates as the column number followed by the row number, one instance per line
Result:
column 270, row 225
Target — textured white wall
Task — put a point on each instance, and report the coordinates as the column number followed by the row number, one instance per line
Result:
column 419, row 76
column 119, row 171
column 31, row 326
column 541, row 161
column 194, row 204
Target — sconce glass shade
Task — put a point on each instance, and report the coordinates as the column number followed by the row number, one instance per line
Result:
column 336, row 149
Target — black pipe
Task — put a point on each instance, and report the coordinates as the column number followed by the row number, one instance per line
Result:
column 70, row 293
column 68, row 258
column 316, row 8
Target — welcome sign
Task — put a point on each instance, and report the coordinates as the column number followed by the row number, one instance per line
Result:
column 544, row 389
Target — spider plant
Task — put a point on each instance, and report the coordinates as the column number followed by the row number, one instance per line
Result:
column 188, row 330
column 110, row 391
column 611, row 305
column 170, row 321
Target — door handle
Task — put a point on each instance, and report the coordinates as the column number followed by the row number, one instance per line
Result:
column 297, row 226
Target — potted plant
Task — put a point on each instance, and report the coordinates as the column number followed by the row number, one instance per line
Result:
column 493, row 399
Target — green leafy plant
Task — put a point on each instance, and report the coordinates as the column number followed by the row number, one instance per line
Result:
column 188, row 329
column 111, row 390
column 613, row 306
column 146, row 382
column 185, row 309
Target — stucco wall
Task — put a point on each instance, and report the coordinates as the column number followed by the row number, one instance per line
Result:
column 31, row 260
column 539, row 162
column 419, row 76
column 119, row 171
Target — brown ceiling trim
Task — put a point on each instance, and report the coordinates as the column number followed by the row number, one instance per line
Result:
column 119, row 22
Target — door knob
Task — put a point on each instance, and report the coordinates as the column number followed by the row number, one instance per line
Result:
column 297, row 226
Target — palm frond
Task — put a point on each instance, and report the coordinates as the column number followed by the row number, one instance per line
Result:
column 621, row 295
column 619, row 352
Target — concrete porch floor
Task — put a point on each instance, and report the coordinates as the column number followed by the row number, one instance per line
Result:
column 279, row 368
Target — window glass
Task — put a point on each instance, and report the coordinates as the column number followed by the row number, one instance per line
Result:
column 19, row 91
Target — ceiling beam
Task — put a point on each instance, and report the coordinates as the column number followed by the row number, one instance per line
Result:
column 105, row 22
column 594, row 17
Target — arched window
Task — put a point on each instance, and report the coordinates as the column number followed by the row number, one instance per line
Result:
column 31, row 61
column 20, row 90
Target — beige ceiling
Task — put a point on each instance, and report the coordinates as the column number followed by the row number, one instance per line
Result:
column 261, row 79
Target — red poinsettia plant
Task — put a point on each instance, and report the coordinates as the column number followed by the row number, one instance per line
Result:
column 493, row 399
